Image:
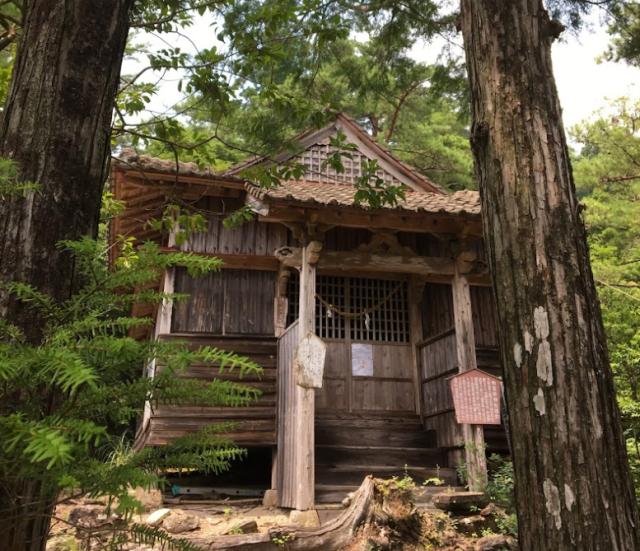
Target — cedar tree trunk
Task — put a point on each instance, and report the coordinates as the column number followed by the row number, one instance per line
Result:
column 56, row 127
column 573, row 489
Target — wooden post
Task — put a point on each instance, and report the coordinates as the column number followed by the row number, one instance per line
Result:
column 416, row 287
column 165, row 311
column 473, row 435
column 304, row 406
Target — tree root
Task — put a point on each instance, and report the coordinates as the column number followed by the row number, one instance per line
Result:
column 379, row 514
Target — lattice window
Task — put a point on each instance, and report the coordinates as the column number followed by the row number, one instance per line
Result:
column 382, row 305
column 364, row 309
column 332, row 299
column 317, row 170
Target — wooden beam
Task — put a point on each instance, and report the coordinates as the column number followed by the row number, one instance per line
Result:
column 467, row 225
column 237, row 261
column 473, row 435
column 350, row 261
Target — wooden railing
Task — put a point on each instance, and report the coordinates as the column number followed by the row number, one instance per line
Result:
column 287, row 346
column 438, row 362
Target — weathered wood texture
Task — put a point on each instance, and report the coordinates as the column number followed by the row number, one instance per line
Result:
column 255, row 425
column 438, row 362
column 473, row 435
column 230, row 302
column 374, row 263
column 251, row 237
column 304, row 398
column 573, row 488
column 287, row 347
column 142, row 204
column 390, row 388
column 350, row 446
column 391, row 384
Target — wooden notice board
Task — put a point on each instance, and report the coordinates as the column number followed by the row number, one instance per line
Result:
column 476, row 398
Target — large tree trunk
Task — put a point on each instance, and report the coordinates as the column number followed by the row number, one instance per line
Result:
column 573, row 488
column 56, row 127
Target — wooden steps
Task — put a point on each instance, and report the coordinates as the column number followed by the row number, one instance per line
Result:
column 394, row 456
column 351, row 446
column 353, row 474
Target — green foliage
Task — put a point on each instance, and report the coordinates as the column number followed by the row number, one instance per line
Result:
column 501, row 482
column 9, row 184
column 500, row 489
column 179, row 223
column 151, row 536
column 624, row 27
column 373, row 191
column 69, row 402
column 607, row 173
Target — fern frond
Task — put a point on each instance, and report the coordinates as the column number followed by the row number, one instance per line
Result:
column 10, row 366
column 33, row 298
column 148, row 535
column 10, row 332
column 179, row 391
column 67, row 369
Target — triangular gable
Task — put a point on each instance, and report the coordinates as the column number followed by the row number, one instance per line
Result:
column 315, row 148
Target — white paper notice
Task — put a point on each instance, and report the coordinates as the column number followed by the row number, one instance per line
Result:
column 362, row 360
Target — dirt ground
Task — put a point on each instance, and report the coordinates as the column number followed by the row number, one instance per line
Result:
column 83, row 525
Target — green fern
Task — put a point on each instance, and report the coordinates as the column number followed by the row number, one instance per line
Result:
column 147, row 535
column 69, row 404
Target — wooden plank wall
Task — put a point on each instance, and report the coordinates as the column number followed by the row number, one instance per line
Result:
column 390, row 389
column 287, row 346
column 250, row 238
column 334, row 394
column 437, row 353
column 231, row 302
column 254, row 425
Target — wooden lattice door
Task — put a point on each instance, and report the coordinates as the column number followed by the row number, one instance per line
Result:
column 365, row 323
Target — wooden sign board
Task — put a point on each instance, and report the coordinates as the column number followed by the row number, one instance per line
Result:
column 476, row 398
column 310, row 361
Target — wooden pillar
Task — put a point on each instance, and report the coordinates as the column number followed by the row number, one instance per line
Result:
column 304, row 406
column 165, row 311
column 473, row 435
column 416, row 288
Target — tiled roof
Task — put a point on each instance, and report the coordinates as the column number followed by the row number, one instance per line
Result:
column 321, row 193
column 129, row 159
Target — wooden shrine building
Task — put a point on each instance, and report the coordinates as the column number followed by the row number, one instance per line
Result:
column 400, row 297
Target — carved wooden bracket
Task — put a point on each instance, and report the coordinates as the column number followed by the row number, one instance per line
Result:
column 313, row 252
column 385, row 242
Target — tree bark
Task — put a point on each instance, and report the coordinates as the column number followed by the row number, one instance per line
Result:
column 56, row 127
column 573, row 489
